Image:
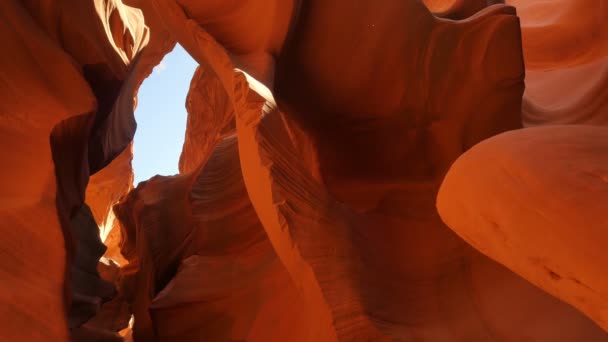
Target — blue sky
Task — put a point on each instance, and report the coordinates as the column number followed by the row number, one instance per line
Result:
column 161, row 116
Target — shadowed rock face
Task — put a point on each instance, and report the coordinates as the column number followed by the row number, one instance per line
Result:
column 67, row 111
column 319, row 135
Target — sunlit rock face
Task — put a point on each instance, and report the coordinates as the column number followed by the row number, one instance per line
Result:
column 104, row 190
column 312, row 202
column 496, row 198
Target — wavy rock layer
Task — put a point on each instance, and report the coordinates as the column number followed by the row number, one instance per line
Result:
column 201, row 262
column 366, row 253
column 565, row 46
column 544, row 186
column 104, row 190
column 442, row 290
column 34, row 100
column 65, row 79
column 458, row 9
column 305, row 207
column 210, row 119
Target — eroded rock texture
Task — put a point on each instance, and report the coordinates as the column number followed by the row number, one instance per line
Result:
column 104, row 190
column 319, row 135
column 201, row 262
column 353, row 225
column 210, row 119
column 67, row 111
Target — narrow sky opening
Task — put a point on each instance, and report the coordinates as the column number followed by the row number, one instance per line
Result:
column 161, row 116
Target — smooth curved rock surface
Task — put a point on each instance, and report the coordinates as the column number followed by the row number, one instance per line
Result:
column 104, row 190
column 565, row 46
column 570, row 95
column 562, row 33
column 63, row 71
column 458, row 9
column 535, row 200
column 442, row 290
column 34, row 100
column 319, row 133
column 317, row 216
column 330, row 104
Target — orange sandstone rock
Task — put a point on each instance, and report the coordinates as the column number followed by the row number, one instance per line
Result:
column 34, row 99
column 305, row 207
column 535, row 200
column 565, row 46
column 104, row 190
column 384, row 267
column 202, row 264
column 338, row 218
column 458, row 9
column 210, row 119
column 66, row 113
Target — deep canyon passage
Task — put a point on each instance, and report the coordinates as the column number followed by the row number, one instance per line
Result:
column 387, row 170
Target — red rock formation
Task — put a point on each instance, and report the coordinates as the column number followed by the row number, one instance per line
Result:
column 210, row 119
column 535, row 200
column 441, row 290
column 565, row 46
column 104, row 190
column 159, row 44
column 458, row 9
column 63, row 74
column 197, row 238
column 305, row 210
column 318, row 201
column 531, row 199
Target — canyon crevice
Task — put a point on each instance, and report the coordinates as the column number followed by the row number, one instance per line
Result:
column 394, row 170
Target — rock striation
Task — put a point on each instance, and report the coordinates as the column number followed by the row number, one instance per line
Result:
column 337, row 215
column 67, row 111
column 351, row 171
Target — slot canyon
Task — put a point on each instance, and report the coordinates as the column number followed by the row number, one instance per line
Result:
column 352, row 170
